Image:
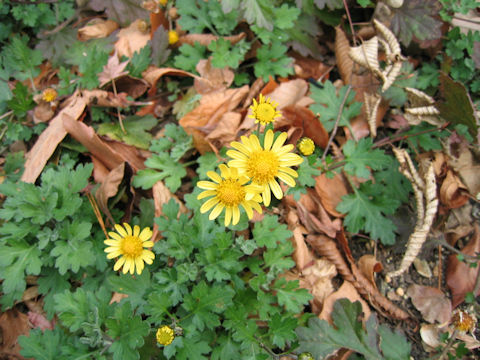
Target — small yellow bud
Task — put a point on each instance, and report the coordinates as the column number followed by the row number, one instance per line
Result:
column 165, row 335
column 49, row 94
column 306, row 146
column 163, row 2
column 172, row 37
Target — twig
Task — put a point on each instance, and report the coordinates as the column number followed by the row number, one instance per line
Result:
column 118, row 109
column 440, row 267
column 350, row 22
column 391, row 140
column 337, row 120
column 451, row 248
column 61, row 26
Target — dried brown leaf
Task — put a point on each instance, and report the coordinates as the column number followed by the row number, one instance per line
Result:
column 112, row 70
column 153, row 74
column 226, row 130
column 453, row 194
column 369, row 266
column 131, row 39
column 432, row 303
column 96, row 29
column 12, row 324
column 460, row 276
column 330, row 192
column 342, row 49
column 206, row 39
column 302, row 255
column 212, row 79
column 49, row 139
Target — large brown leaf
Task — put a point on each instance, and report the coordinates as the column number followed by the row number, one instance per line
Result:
column 123, row 12
column 431, row 302
column 460, row 276
column 12, row 324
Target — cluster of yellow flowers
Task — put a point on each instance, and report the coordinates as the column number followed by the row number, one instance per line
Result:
column 251, row 176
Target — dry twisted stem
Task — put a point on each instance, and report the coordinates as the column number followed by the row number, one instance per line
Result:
column 427, row 202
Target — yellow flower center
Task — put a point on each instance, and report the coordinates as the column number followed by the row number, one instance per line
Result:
column 132, row 246
column 230, row 192
column 265, row 113
column 262, row 166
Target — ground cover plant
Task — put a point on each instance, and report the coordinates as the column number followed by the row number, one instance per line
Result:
column 231, row 179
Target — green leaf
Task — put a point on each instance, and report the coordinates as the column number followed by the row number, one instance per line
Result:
column 327, row 105
column 322, row 339
column 136, row 287
column 157, row 307
column 169, row 170
column 128, row 331
column 205, row 302
column 174, row 139
column 290, row 295
column 189, row 56
column 168, row 284
column 254, row 14
column 206, row 162
column 307, row 173
column 272, row 60
column 73, row 255
column 366, row 211
column 393, row 345
column 359, row 157
column 282, row 330
column 22, row 100
column 42, row 345
column 224, row 54
column 225, row 349
column 22, row 61
column 278, row 259
column 54, row 47
column 190, row 348
column 136, row 128
column 51, row 283
column 139, row 61
column 270, row 232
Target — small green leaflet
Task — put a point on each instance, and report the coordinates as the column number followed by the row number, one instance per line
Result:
column 360, row 157
column 290, row 295
column 327, row 105
column 139, row 61
column 366, row 210
column 272, row 60
column 270, row 232
column 168, row 169
column 136, row 130
column 189, row 56
column 224, row 54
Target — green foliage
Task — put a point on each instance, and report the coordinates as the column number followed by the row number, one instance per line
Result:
column 169, row 168
column 19, row 60
column 22, row 100
column 360, row 158
column 366, row 210
column 225, row 54
column 136, row 130
column 272, row 60
column 327, row 105
column 374, row 342
column 139, row 61
column 189, row 56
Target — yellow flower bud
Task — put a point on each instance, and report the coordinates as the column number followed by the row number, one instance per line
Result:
column 49, row 94
column 172, row 37
column 306, row 146
column 165, row 335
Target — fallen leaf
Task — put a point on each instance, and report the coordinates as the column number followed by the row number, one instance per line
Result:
column 212, row 79
column 422, row 268
column 161, row 196
column 153, row 74
column 124, row 12
column 206, row 39
column 86, row 135
column 131, row 39
column 319, row 277
column 453, row 194
column 432, row 303
column 302, row 255
column 203, row 119
column 96, row 29
column 110, row 185
column 40, row 321
column 460, row 276
column 369, row 266
column 330, row 192
column 348, row 291
column 309, row 68
column 112, row 70
column 49, row 139
column 12, row 324
column 43, row 112
column 430, row 334
column 226, row 130
column 468, row 167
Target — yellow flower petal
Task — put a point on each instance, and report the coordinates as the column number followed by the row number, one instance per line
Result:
column 228, row 215
column 286, row 179
column 216, row 211
column 208, row 205
column 111, row 242
column 268, row 140
column 276, row 189
column 279, row 142
column 206, row 193
column 236, row 155
column 266, row 196
column 207, row 185
column 214, row 176
column 139, row 264
column 236, row 215
column 240, row 147
column 114, row 254
column 120, row 230
column 136, row 230
column 119, row 263
column 148, row 244
column 115, row 236
column 128, row 228
column 145, row 234
column 248, row 209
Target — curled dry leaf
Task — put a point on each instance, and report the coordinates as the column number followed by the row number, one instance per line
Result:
column 465, row 164
column 319, row 278
column 96, row 29
column 372, row 102
column 460, row 276
column 226, row 130
column 49, row 139
column 161, row 196
column 430, row 334
column 13, row 323
column 131, row 39
column 305, row 120
column 153, row 74
column 203, row 119
column 206, row 39
column 112, row 70
column 212, row 79
column 369, row 266
column 453, row 194
column 342, row 49
column 432, row 303
column 421, row 108
column 347, row 290
column 110, row 185
column 330, row 192
column 366, row 54
column 302, row 255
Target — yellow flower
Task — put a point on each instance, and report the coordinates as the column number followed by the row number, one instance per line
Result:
column 306, row 146
column 49, row 94
column 165, row 335
column 130, row 246
column 265, row 111
column 172, row 37
column 263, row 165
column 229, row 191
column 463, row 321
column 163, row 2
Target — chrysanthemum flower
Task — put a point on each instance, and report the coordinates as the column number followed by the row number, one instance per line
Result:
column 130, row 246
column 306, row 146
column 229, row 192
column 463, row 321
column 49, row 94
column 165, row 335
column 172, row 37
column 265, row 111
column 263, row 164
